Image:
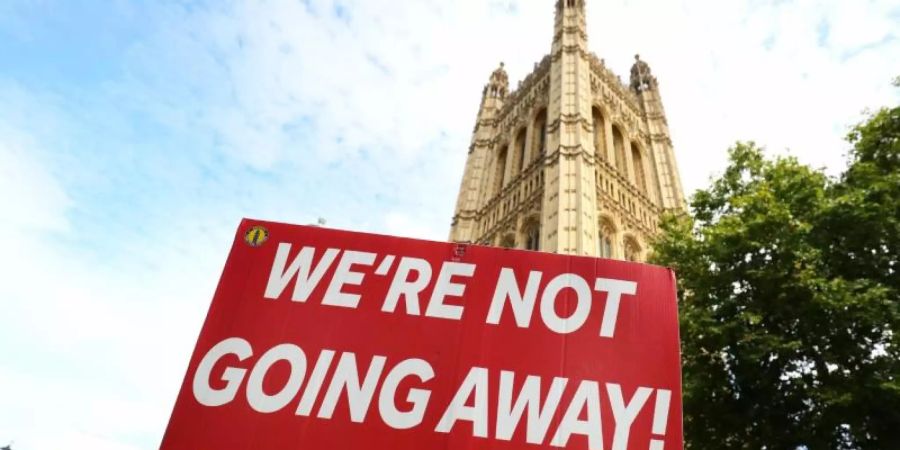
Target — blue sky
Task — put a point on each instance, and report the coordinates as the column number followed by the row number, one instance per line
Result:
column 135, row 135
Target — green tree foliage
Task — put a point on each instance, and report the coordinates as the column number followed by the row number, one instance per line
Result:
column 789, row 300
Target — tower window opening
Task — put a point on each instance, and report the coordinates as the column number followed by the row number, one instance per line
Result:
column 632, row 250
column 542, row 142
column 599, row 134
column 533, row 237
column 619, row 147
column 605, row 247
column 520, row 142
column 639, row 176
column 605, row 239
column 540, row 126
column 500, row 173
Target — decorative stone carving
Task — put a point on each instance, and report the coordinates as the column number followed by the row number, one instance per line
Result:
column 641, row 77
column 500, row 80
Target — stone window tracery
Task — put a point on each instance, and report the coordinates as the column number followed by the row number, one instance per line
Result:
column 599, row 134
column 533, row 237
column 619, row 147
column 500, row 171
column 639, row 177
column 540, row 127
column 605, row 239
column 632, row 250
column 520, row 143
column 508, row 241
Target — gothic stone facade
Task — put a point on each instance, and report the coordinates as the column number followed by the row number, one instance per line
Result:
column 573, row 161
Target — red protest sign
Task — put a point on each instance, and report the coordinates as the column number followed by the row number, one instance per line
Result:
column 326, row 339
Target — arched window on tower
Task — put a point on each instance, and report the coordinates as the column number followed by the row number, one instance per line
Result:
column 520, row 143
column 599, row 133
column 632, row 250
column 540, row 133
column 500, row 170
column 639, row 177
column 619, row 147
column 605, row 239
column 533, row 236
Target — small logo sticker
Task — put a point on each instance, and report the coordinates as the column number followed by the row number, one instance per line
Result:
column 256, row 236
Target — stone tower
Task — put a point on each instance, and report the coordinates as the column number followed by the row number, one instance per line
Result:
column 572, row 161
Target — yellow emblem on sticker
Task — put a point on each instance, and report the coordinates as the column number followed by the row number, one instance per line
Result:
column 256, row 236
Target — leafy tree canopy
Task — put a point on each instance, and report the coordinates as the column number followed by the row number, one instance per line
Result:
column 790, row 300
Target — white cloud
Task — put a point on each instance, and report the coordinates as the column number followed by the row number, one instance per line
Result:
column 94, row 346
column 755, row 71
column 403, row 224
column 393, row 80
column 32, row 198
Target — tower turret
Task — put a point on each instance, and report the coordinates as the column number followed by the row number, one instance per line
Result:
column 569, row 216
column 642, row 78
column 570, row 26
column 646, row 87
column 470, row 191
column 498, row 85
